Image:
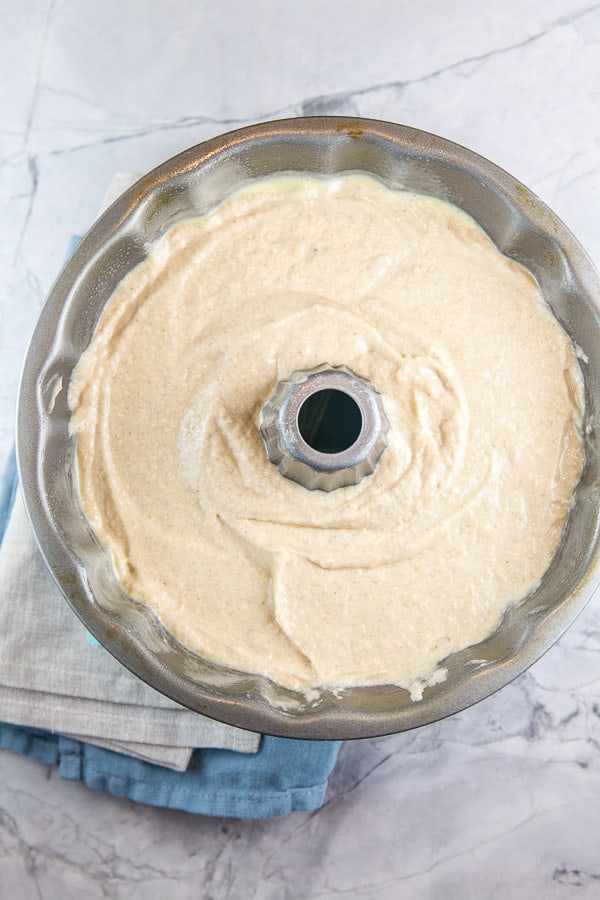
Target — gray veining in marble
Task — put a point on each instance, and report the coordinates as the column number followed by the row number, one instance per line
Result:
column 501, row 801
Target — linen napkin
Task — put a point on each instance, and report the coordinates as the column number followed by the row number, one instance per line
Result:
column 284, row 776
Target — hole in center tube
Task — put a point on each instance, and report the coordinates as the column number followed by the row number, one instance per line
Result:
column 329, row 421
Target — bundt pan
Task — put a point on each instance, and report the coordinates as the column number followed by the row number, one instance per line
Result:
column 191, row 184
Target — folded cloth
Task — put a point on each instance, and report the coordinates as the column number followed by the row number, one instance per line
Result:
column 285, row 775
column 52, row 677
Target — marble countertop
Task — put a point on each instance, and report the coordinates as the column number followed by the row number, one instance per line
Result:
column 500, row 801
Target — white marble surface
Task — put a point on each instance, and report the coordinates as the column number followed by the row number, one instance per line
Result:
column 501, row 801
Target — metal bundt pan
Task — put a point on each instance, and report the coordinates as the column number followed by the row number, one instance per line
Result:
column 191, row 184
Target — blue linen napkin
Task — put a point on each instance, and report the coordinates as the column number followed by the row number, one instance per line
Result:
column 284, row 775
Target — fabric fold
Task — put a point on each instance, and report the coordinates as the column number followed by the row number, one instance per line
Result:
column 283, row 777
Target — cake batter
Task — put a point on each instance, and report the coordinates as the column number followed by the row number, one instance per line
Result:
column 372, row 583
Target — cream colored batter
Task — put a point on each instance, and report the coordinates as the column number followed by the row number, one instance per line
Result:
column 373, row 583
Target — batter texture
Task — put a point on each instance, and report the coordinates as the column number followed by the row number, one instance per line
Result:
column 373, row 583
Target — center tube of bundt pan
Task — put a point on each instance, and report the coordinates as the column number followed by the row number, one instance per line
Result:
column 324, row 428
